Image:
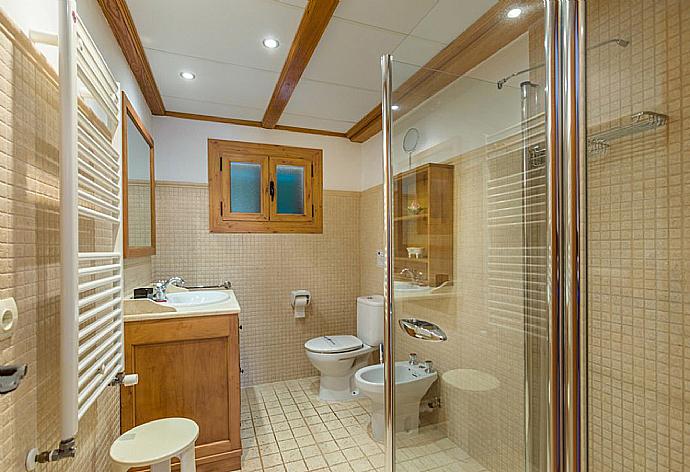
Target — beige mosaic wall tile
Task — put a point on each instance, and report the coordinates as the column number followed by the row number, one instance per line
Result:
column 139, row 213
column 138, row 272
column 29, row 266
column 263, row 269
column 639, row 240
column 371, row 239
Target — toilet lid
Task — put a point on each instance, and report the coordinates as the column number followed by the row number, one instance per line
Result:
column 333, row 344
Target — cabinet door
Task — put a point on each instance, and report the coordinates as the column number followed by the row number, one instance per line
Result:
column 187, row 368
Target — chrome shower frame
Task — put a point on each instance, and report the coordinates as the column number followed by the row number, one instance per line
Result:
column 564, row 22
column 388, row 321
column 573, row 248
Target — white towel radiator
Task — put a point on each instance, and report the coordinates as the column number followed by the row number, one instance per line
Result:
column 91, row 324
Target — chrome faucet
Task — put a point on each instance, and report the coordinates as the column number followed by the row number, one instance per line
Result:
column 416, row 276
column 160, row 288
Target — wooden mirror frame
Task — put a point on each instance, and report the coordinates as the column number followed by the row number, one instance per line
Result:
column 129, row 111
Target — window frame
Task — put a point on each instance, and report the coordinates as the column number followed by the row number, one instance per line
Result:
column 221, row 153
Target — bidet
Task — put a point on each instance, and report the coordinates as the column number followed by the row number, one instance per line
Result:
column 412, row 381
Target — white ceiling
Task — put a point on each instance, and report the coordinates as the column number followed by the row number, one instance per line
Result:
column 220, row 41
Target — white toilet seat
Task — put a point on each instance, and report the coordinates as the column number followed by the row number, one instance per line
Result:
column 337, row 356
column 333, row 344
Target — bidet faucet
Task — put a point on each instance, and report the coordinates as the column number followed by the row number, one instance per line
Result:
column 160, row 287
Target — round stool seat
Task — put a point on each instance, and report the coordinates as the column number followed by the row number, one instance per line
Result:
column 154, row 442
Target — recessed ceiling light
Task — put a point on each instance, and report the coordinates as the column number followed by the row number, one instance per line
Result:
column 395, row 107
column 514, row 13
column 187, row 75
column 270, row 43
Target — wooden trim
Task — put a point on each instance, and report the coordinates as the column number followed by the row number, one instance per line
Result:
column 120, row 20
column 219, row 224
column 316, row 17
column 491, row 32
column 181, row 183
column 322, row 132
column 211, row 118
column 252, row 123
column 127, row 250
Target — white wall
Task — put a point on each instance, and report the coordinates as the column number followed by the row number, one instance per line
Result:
column 42, row 15
column 182, row 150
column 372, row 162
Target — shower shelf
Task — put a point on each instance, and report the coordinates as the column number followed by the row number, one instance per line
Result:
column 639, row 122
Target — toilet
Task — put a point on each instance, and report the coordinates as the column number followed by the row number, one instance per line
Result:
column 338, row 357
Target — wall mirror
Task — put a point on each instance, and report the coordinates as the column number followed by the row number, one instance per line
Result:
column 138, row 185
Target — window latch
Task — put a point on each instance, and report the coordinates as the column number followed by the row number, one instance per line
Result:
column 272, row 189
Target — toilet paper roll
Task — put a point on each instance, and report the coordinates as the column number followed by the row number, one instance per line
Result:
column 300, row 306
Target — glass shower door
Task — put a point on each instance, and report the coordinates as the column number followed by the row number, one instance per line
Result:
column 468, row 252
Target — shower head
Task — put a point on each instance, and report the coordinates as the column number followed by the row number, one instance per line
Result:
column 622, row 43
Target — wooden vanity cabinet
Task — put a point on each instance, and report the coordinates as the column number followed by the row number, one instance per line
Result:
column 188, row 367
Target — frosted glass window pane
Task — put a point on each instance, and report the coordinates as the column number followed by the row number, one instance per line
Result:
column 290, row 183
column 245, row 187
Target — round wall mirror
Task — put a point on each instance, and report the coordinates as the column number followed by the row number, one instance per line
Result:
column 410, row 141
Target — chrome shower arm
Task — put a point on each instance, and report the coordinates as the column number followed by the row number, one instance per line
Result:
column 624, row 43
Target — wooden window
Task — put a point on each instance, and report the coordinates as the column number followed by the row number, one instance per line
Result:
column 264, row 188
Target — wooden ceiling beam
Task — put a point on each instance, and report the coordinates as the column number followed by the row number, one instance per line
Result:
column 481, row 40
column 252, row 123
column 120, row 20
column 316, row 17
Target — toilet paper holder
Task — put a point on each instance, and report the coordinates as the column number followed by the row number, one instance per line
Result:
column 295, row 294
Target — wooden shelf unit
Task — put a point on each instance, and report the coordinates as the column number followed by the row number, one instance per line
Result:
column 431, row 185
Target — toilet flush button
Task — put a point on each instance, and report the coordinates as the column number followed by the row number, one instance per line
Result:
column 8, row 317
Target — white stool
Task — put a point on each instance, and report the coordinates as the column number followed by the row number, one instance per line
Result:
column 155, row 443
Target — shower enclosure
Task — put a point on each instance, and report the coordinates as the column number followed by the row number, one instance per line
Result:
column 534, row 217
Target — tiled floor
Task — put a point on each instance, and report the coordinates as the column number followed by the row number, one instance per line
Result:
column 285, row 427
